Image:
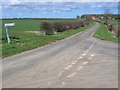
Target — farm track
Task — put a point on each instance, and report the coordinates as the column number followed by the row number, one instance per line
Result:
column 80, row 61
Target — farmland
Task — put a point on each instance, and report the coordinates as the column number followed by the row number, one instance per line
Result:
column 22, row 40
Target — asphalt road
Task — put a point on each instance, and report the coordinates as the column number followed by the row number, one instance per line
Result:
column 80, row 61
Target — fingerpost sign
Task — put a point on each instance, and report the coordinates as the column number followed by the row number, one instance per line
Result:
column 8, row 25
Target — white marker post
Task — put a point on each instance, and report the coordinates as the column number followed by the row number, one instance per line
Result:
column 8, row 25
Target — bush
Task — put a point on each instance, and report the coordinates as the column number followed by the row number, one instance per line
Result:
column 110, row 27
column 82, row 23
column 105, row 23
column 62, row 26
column 48, row 28
column 87, row 22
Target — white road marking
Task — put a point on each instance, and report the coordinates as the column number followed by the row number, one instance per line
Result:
column 63, row 83
column 89, row 58
column 68, row 67
column 60, row 73
column 71, row 75
column 84, row 54
column 48, row 83
column 79, row 68
column 73, row 63
column 85, row 63
column 90, row 47
column 92, row 55
column 80, row 57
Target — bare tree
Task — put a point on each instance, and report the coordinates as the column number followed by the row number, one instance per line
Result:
column 107, row 14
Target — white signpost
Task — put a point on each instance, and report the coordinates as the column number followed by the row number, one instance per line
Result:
column 8, row 25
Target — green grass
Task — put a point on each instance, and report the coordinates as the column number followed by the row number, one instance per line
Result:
column 29, row 41
column 114, row 22
column 103, row 34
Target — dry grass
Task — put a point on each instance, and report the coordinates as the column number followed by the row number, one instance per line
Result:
column 36, row 32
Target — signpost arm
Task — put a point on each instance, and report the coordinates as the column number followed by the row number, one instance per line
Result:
column 7, row 35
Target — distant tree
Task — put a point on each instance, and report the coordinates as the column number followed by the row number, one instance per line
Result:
column 78, row 17
column 88, row 17
column 107, row 14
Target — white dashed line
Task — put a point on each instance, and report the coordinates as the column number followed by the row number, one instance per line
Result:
column 60, row 73
column 80, row 57
column 48, row 83
column 63, row 83
column 90, row 47
column 68, row 67
column 92, row 55
column 73, row 63
column 71, row 75
column 89, row 58
column 85, row 63
column 79, row 68
column 84, row 54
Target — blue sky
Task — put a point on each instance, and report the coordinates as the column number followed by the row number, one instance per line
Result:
column 55, row 9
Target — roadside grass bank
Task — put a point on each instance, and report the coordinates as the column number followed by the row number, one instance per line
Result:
column 103, row 34
column 114, row 22
column 28, row 41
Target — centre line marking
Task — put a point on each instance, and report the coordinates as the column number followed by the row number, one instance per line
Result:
column 73, row 63
column 80, row 57
column 60, row 73
column 85, row 63
column 63, row 83
column 68, row 67
column 89, row 58
column 92, row 55
column 90, row 47
column 84, row 54
column 79, row 68
column 71, row 75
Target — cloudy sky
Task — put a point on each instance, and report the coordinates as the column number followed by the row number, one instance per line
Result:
column 52, row 9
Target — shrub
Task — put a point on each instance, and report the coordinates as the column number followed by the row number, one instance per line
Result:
column 105, row 23
column 110, row 27
column 70, row 25
column 82, row 23
column 65, row 26
column 62, row 26
column 59, row 26
column 48, row 28
column 87, row 22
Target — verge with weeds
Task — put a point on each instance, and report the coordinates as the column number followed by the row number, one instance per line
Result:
column 103, row 34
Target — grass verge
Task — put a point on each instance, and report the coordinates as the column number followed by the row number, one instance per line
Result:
column 29, row 41
column 103, row 34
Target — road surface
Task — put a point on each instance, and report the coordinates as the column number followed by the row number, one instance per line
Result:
column 80, row 61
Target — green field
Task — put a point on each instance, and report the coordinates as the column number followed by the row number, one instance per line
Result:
column 103, row 34
column 25, row 41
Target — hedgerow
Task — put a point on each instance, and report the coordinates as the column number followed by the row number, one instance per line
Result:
column 51, row 28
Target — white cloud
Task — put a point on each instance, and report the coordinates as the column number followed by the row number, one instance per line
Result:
column 21, row 1
column 99, row 6
column 12, row 1
column 66, row 9
column 55, row 11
